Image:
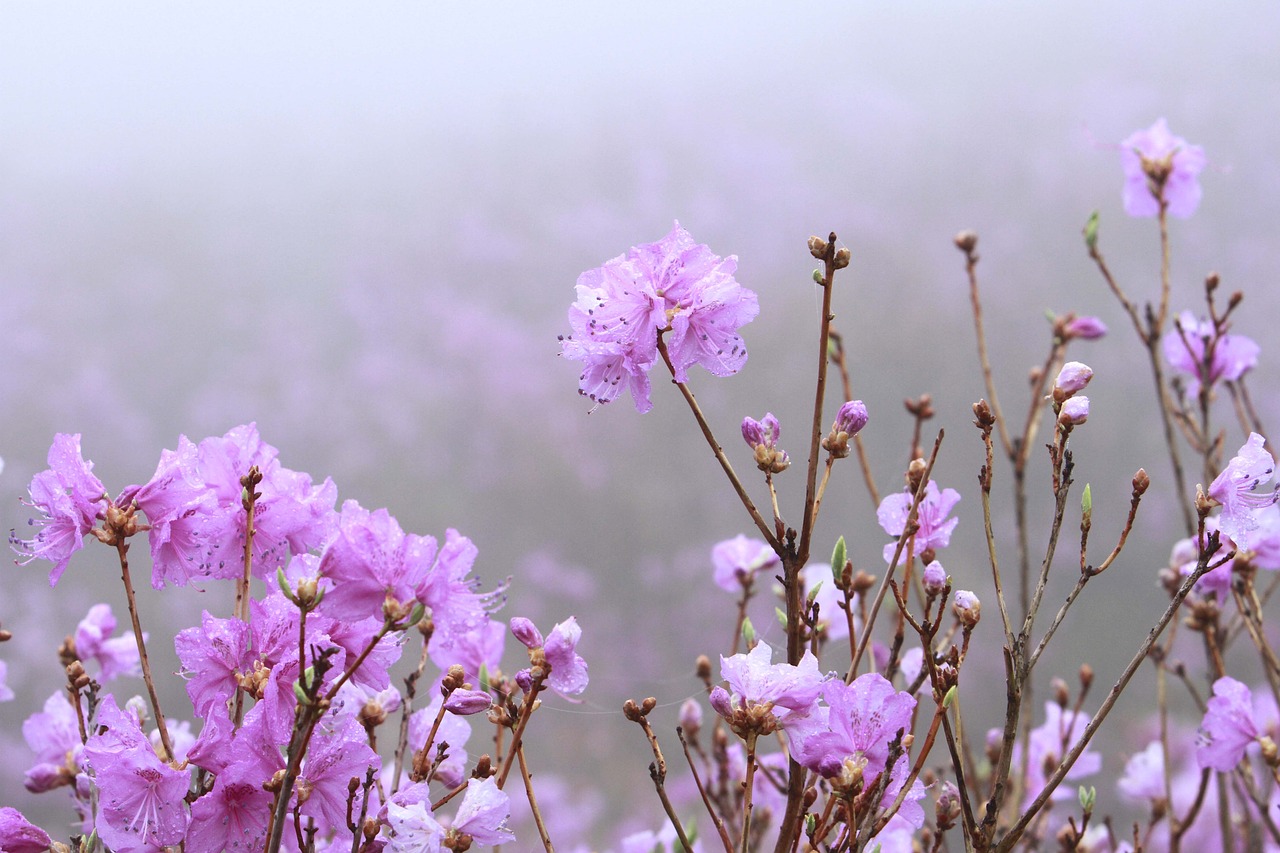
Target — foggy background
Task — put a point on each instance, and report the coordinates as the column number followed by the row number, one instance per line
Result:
column 361, row 229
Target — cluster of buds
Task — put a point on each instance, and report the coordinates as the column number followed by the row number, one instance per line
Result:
column 850, row 420
column 1071, row 407
column 762, row 437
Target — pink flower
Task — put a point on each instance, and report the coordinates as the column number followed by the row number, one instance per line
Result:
column 736, row 561
column 757, row 686
column 935, row 527
column 194, row 505
column 568, row 671
column 69, row 499
column 1049, row 743
column 1234, row 489
column 1186, row 347
column 1155, row 157
column 862, row 720
column 674, row 286
column 1228, row 728
column 484, row 813
column 18, row 835
column 115, row 655
column 212, row 656
column 142, row 805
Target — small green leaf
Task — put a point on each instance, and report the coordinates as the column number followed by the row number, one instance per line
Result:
column 483, row 677
column 813, row 594
column 748, row 632
column 1086, row 500
column 782, row 617
column 839, row 557
column 1088, row 798
column 284, row 585
column 817, row 277
column 1091, row 231
column 949, row 698
column 301, row 694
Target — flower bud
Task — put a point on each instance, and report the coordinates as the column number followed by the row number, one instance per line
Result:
column 817, row 247
column 967, row 607
column 691, row 717
column 1086, row 328
column 843, row 256
column 966, row 241
column 851, row 418
column 762, row 437
column 524, row 680
column 1073, row 377
column 934, row 579
column 526, row 632
column 948, row 806
column 1074, row 411
column 467, row 702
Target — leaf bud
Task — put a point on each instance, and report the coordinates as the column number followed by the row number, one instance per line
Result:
column 966, row 241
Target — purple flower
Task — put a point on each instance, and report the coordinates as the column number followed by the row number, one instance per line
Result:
column 484, row 813
column 757, row 686
column 232, row 816
column 453, row 732
column 1154, row 159
column 54, row 736
column 568, row 671
column 1234, row 489
column 93, row 641
column 674, row 285
column 935, row 527
column 6, row 693
column 1048, row 743
column 194, row 505
column 18, row 835
column 70, row 499
column 338, row 752
column 1185, row 348
column 863, row 718
column 1229, row 726
column 370, row 560
column 212, row 656
column 142, row 805
column 1143, row 777
column 737, row 561
column 413, row 829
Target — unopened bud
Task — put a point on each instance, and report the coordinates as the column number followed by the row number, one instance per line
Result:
column 967, row 607
column 691, row 717
column 934, row 579
column 817, row 247
column 702, row 668
column 843, row 256
column 966, row 241
column 915, row 473
column 1061, row 693
column 863, row 581
column 1072, row 378
column 1141, row 482
column 983, row 417
column 632, row 711
column 1074, row 411
column 1211, row 282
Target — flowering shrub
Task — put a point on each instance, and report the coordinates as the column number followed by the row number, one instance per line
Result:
column 850, row 735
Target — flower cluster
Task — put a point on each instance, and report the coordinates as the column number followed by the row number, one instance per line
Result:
column 673, row 287
column 292, row 688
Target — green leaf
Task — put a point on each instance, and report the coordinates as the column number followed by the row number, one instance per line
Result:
column 839, row 557
column 782, row 617
column 1091, row 231
column 949, row 698
column 748, row 632
column 1086, row 500
column 1088, row 798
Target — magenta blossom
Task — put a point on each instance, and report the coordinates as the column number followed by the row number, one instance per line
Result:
column 18, row 835
column 194, row 504
column 1196, row 349
column 1153, row 152
column 6, row 693
column 568, row 670
column 1049, row 743
column 1229, row 726
column 935, row 527
column 1235, row 489
column 862, row 719
column 757, row 687
column 1087, row 328
column 70, row 500
column 737, row 560
column 484, row 813
column 93, row 641
column 674, row 286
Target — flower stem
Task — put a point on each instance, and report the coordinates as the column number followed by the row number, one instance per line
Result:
column 122, row 549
